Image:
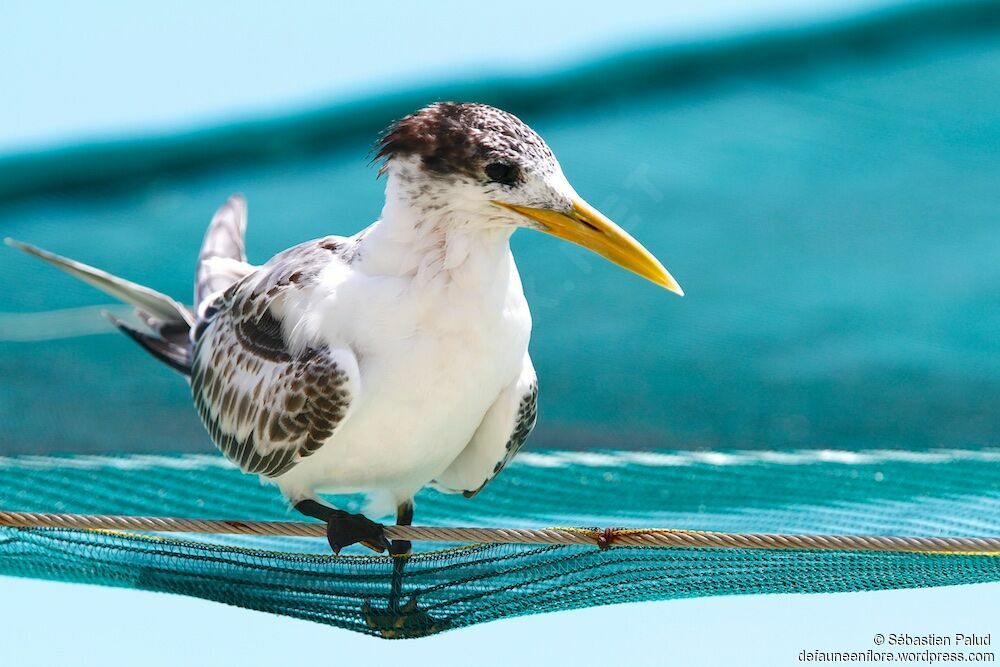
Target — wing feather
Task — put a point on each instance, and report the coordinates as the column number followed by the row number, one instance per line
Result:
column 265, row 405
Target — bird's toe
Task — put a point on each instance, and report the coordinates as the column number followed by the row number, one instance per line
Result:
column 400, row 547
column 351, row 529
column 405, row 621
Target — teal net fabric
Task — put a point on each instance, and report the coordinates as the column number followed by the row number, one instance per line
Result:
column 831, row 213
column 936, row 493
column 827, row 197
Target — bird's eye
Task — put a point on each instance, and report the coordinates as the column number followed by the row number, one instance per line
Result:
column 501, row 172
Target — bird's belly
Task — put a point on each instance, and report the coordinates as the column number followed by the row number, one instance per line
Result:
column 420, row 405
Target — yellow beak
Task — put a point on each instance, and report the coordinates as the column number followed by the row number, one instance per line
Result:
column 586, row 226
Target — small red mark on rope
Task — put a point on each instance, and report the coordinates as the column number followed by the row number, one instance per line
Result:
column 606, row 537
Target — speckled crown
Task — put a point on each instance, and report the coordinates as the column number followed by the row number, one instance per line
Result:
column 460, row 137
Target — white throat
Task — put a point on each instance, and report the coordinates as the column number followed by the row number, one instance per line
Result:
column 431, row 233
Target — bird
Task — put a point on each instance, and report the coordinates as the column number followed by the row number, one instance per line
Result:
column 390, row 360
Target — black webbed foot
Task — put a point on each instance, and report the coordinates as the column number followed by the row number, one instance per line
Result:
column 404, row 621
column 407, row 619
column 400, row 547
column 344, row 529
column 353, row 529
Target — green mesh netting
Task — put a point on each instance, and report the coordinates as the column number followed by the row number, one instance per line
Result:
column 936, row 493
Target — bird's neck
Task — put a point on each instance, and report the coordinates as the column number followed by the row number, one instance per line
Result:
column 433, row 242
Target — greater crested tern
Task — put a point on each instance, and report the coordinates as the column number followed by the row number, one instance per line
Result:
column 393, row 359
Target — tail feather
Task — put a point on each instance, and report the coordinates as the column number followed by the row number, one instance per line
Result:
column 221, row 263
column 175, row 355
column 222, row 260
column 175, row 332
column 170, row 321
column 151, row 302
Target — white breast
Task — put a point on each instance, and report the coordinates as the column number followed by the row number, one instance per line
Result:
column 434, row 354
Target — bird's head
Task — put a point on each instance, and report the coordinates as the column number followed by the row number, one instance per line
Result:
column 478, row 165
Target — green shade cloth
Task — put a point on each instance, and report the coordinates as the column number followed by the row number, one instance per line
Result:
column 936, row 493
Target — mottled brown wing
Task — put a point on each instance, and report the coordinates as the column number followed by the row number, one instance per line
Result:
column 265, row 406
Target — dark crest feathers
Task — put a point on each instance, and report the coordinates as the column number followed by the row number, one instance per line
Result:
column 458, row 137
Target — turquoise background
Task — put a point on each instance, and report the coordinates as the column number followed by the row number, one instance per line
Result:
column 828, row 199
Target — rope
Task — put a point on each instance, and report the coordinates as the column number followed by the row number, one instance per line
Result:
column 653, row 537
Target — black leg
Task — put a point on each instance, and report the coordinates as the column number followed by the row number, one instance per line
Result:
column 406, row 619
column 400, row 550
column 344, row 529
column 404, row 517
